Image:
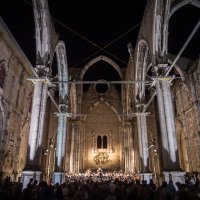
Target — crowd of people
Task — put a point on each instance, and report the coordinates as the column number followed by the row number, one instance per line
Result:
column 100, row 186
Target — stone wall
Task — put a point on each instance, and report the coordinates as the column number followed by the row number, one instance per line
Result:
column 187, row 119
column 102, row 122
column 15, row 103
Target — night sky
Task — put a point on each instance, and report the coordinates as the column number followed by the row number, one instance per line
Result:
column 100, row 22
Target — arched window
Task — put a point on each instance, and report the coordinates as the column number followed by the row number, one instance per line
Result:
column 99, row 142
column 102, row 142
column 105, row 142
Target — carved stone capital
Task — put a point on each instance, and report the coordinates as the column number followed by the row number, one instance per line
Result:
column 42, row 70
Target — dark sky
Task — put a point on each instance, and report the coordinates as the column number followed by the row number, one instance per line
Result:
column 100, row 22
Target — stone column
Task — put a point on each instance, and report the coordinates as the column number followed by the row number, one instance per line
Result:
column 171, row 166
column 125, row 149
column 143, row 142
column 143, row 146
column 76, row 149
column 33, row 166
column 58, row 175
column 128, row 148
column 72, row 148
column 75, row 146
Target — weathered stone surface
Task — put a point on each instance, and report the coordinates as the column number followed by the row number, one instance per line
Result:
column 15, row 105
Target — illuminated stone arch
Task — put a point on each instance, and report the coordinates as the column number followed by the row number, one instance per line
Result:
column 176, row 66
column 174, row 8
column 141, row 69
column 62, row 71
column 182, row 3
column 63, row 101
column 161, row 17
column 45, row 34
column 97, row 59
column 179, row 70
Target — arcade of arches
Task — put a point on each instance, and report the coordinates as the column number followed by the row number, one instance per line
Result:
column 148, row 122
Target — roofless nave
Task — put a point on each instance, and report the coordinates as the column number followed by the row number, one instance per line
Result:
column 145, row 120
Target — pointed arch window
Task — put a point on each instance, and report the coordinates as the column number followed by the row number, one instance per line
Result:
column 105, row 142
column 102, row 142
column 99, row 142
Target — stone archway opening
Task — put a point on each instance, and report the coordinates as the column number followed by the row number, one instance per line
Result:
column 101, row 71
column 178, row 32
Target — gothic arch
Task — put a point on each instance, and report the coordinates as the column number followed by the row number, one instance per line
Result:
column 180, row 4
column 97, row 59
column 179, row 70
column 141, row 68
column 45, row 35
column 163, row 11
column 62, row 71
column 175, row 7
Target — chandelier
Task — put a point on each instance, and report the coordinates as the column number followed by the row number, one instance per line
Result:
column 101, row 158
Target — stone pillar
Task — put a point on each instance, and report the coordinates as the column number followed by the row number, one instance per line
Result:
column 74, row 155
column 171, row 166
column 125, row 149
column 128, row 148
column 77, row 149
column 33, row 167
column 131, row 151
column 122, row 146
column 58, row 175
column 71, row 169
column 143, row 142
